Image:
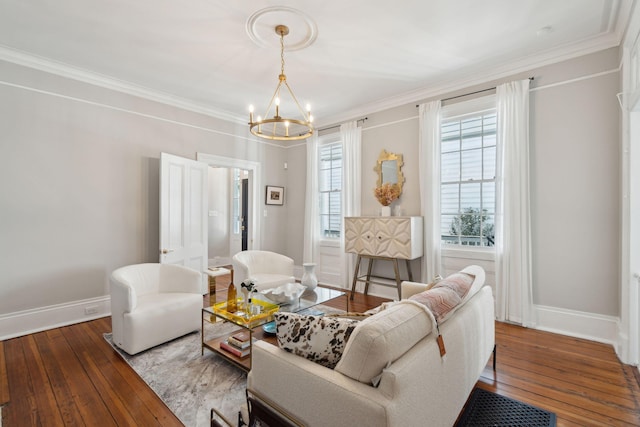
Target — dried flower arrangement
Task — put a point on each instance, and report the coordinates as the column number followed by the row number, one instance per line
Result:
column 386, row 193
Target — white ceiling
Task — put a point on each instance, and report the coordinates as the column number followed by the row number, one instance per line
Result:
column 363, row 55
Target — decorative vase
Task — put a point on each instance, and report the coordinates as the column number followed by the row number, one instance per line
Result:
column 385, row 211
column 309, row 279
column 232, row 303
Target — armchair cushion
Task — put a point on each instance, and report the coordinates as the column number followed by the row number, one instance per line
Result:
column 266, row 269
column 317, row 338
column 153, row 303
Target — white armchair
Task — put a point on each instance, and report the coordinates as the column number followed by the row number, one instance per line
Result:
column 266, row 269
column 154, row 303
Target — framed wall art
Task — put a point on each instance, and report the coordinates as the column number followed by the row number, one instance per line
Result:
column 275, row 195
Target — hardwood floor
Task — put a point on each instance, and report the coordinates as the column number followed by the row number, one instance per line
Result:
column 71, row 376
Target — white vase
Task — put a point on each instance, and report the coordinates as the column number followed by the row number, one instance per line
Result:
column 385, row 211
column 309, row 279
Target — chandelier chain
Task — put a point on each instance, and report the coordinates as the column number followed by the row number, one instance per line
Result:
column 282, row 54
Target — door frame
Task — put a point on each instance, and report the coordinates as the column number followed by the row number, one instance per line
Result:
column 255, row 175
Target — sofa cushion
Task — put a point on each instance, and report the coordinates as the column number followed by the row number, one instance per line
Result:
column 448, row 294
column 317, row 338
column 381, row 339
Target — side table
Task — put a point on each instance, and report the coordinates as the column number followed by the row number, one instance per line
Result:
column 214, row 272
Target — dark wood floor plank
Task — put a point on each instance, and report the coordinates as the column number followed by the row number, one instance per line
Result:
column 23, row 408
column 149, row 408
column 101, row 374
column 142, row 403
column 71, row 381
column 4, row 379
column 581, row 381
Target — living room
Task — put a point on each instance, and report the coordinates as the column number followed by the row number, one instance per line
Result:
column 80, row 187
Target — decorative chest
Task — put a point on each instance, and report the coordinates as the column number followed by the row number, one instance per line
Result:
column 390, row 237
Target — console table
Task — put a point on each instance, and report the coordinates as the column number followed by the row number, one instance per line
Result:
column 383, row 239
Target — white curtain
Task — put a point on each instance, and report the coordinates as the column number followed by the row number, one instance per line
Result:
column 351, row 136
column 514, row 297
column 311, row 210
column 429, row 166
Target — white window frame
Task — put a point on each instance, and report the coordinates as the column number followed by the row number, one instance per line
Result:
column 330, row 139
column 450, row 112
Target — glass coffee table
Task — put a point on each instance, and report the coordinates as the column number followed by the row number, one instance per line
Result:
column 253, row 323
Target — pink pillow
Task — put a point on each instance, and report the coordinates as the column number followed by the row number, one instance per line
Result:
column 446, row 295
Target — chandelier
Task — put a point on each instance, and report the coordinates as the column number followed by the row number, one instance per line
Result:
column 278, row 127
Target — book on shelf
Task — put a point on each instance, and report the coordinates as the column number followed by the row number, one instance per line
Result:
column 224, row 345
column 238, row 344
column 241, row 336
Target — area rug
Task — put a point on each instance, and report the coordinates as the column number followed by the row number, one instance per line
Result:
column 485, row 408
column 190, row 383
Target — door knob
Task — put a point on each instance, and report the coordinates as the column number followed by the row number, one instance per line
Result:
column 166, row 251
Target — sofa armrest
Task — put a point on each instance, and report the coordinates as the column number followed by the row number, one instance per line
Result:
column 407, row 289
column 294, row 383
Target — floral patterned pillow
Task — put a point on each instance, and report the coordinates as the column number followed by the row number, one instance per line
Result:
column 318, row 338
column 446, row 295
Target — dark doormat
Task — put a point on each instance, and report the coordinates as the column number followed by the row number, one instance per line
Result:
column 485, row 408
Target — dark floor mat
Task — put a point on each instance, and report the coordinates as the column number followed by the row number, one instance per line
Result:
column 485, row 408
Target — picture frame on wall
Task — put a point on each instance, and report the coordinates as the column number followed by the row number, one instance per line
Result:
column 274, row 195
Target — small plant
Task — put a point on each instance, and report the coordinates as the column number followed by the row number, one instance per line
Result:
column 386, row 193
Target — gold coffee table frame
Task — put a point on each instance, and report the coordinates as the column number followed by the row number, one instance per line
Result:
column 308, row 299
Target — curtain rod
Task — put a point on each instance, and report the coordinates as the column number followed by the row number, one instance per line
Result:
column 337, row 126
column 470, row 93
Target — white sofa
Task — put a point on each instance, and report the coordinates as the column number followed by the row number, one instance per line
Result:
column 417, row 386
column 154, row 303
column 266, row 269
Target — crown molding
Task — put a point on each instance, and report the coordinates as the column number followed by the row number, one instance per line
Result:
column 75, row 73
column 479, row 76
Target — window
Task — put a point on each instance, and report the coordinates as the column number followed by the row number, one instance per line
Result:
column 468, row 179
column 330, row 185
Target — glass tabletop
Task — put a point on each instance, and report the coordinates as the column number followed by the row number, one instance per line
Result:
column 264, row 314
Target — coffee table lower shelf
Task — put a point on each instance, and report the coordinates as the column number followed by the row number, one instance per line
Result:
column 243, row 363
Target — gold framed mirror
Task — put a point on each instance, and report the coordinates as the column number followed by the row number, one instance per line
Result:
column 389, row 169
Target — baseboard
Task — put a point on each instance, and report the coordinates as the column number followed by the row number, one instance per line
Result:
column 578, row 324
column 40, row 319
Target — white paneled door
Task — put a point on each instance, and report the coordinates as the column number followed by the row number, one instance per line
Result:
column 183, row 213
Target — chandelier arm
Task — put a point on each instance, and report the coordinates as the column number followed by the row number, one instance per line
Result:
column 304, row 114
column 275, row 94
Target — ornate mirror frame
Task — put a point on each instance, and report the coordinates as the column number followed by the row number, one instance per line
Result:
column 381, row 169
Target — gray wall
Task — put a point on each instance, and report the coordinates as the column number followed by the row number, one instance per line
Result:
column 574, row 140
column 79, row 182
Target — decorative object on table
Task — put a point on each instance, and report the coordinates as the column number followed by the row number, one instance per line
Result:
column 232, row 297
column 490, row 409
column 269, row 328
column 248, row 287
column 309, row 279
column 274, row 195
column 386, row 194
column 287, row 293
